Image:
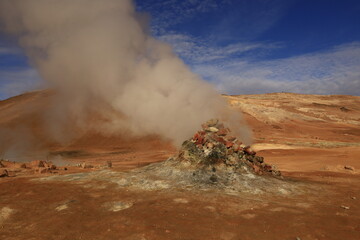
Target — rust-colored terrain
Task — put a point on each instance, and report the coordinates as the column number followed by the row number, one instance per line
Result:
column 313, row 140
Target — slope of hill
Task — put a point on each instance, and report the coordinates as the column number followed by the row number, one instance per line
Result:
column 283, row 123
column 310, row 138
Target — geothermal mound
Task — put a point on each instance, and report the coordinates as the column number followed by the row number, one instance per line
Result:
column 214, row 147
column 212, row 160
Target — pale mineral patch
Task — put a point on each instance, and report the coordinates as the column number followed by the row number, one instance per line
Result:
column 5, row 213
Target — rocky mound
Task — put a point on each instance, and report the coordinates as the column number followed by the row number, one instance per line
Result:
column 212, row 160
column 215, row 147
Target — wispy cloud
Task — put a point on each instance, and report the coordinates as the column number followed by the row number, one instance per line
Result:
column 197, row 50
column 335, row 71
column 168, row 13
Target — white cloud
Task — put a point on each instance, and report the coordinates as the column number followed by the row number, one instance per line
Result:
column 168, row 13
column 336, row 71
column 196, row 50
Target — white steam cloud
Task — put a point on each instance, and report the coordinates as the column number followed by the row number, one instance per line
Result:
column 110, row 75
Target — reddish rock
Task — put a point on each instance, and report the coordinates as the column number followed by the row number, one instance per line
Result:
column 199, row 138
column 231, row 138
column 222, row 132
column 257, row 169
column 49, row 165
column 267, row 167
column 219, row 139
column 249, row 151
column 229, row 144
column 236, row 147
column 36, row 163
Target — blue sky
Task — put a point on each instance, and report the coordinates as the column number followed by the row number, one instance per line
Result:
column 244, row 46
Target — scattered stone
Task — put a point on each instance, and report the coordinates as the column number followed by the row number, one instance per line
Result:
column 212, row 122
column 62, row 207
column 109, row 164
column 1, row 164
column 118, row 206
column 36, row 163
column 345, row 207
column 181, row 200
column 344, row 109
column 4, row 173
column 349, row 168
column 84, row 165
column 353, row 198
column 297, row 238
column 213, row 129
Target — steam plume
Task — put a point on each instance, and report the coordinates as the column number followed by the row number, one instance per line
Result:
column 98, row 56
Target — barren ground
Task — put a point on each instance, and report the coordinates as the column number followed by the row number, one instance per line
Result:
column 310, row 138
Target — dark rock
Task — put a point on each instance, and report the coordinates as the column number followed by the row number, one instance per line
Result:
column 4, row 173
column 349, row 168
column 109, row 164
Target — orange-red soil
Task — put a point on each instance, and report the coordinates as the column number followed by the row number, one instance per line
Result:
column 308, row 137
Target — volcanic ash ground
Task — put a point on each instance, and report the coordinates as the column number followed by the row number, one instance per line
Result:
column 211, row 160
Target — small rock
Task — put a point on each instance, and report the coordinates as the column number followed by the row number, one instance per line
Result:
column 249, row 151
column 213, row 178
column 181, row 200
column 297, row 238
column 222, row 132
column 37, row 163
column 345, row 207
column 213, row 129
column 84, row 165
column 231, row 138
column 61, row 207
column 210, row 145
column 353, row 198
column 229, row 144
column 344, row 109
column 212, row 122
column 118, row 206
column 349, row 168
column 109, row 164
column 4, row 173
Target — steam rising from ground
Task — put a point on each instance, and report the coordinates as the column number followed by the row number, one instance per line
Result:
column 110, row 75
